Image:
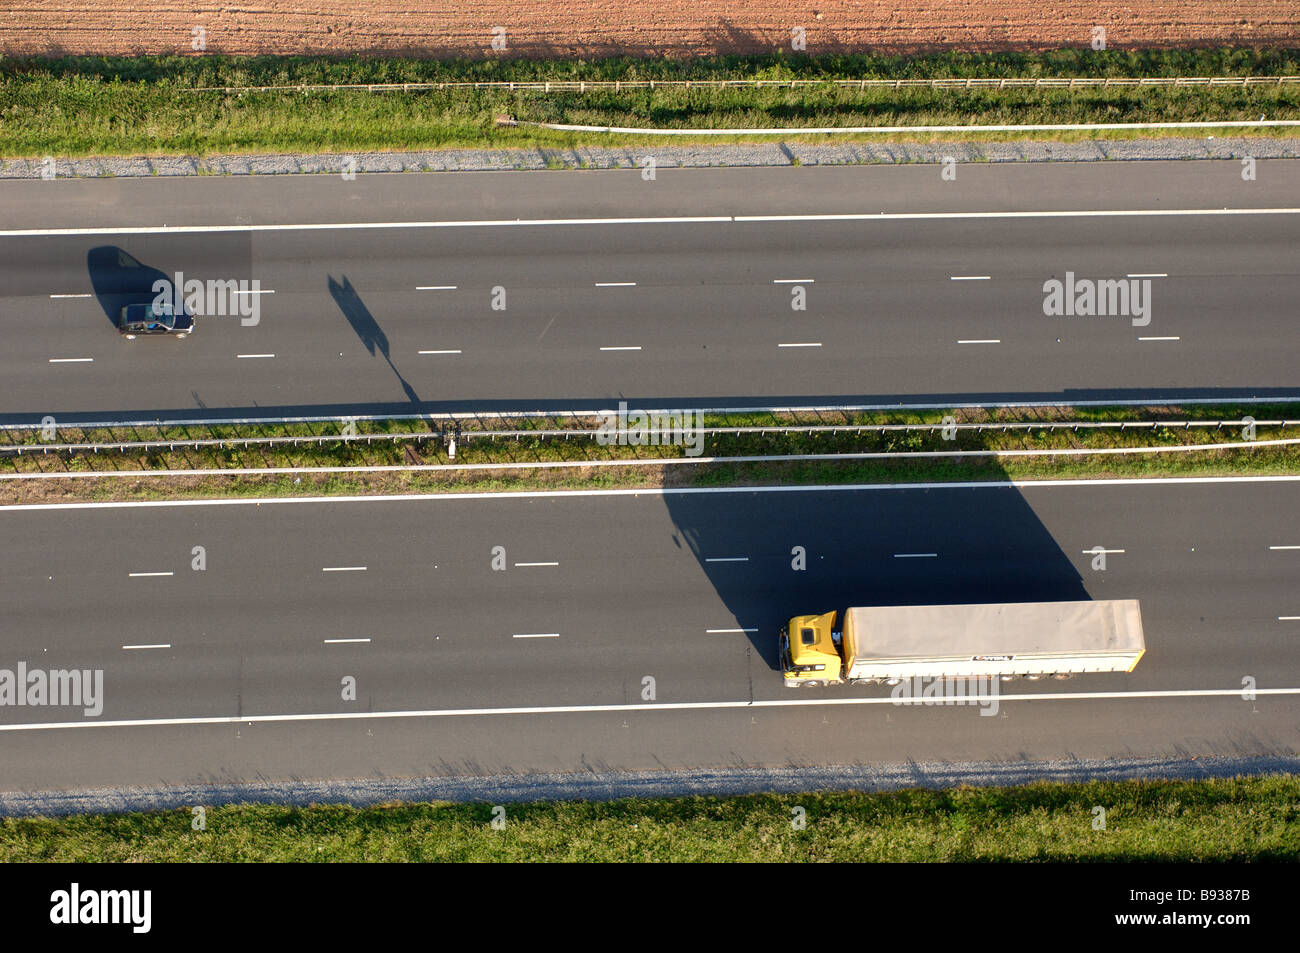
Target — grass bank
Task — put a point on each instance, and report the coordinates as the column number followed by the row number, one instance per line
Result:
column 94, row 106
column 1244, row 819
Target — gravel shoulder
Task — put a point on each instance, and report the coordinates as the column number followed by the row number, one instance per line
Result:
column 666, row 157
column 610, row 785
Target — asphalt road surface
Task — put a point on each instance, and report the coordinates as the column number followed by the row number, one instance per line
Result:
column 429, row 313
column 601, row 591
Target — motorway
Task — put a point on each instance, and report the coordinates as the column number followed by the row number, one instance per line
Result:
column 237, row 668
column 602, row 590
column 378, row 294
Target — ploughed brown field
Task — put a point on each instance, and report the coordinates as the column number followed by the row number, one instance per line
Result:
column 632, row 27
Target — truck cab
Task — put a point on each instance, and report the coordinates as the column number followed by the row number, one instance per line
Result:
column 809, row 655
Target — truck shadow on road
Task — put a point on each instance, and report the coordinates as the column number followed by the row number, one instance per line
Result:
column 875, row 547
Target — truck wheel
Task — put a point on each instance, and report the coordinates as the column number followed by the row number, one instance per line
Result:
column 1062, row 676
column 813, row 684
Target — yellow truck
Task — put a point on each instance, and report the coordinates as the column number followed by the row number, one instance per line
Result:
column 891, row 643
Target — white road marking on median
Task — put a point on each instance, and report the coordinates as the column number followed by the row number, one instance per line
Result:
column 435, row 287
column 915, row 555
column 979, row 340
column 727, row 631
column 134, row 575
column 343, row 641
column 70, row 296
column 254, row 355
column 1152, row 275
column 1230, row 693
column 630, row 348
column 970, row 277
column 159, row 645
column 1284, row 547
column 72, row 360
column 536, row 635
column 803, row 344
column 526, row 565
column 794, row 281
column 1161, row 339
column 1288, row 618
column 727, row 559
column 440, row 352
column 343, row 569
column 616, row 284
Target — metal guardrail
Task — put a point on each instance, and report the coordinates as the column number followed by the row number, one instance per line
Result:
column 136, row 473
column 582, row 86
column 463, row 435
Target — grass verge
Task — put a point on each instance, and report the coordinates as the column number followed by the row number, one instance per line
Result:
column 1243, row 819
column 94, row 106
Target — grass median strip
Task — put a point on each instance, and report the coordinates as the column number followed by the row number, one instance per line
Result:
column 403, row 456
column 1242, row 819
column 153, row 106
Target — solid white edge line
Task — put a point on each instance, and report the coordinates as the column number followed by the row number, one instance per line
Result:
column 1158, row 400
column 727, row 631
column 793, row 281
column 1288, row 618
column 727, row 559
column 616, row 284
column 1284, row 547
column 802, row 344
column 663, row 706
column 679, row 220
column 1075, row 213
column 970, row 277
column 160, row 645
column 70, row 296
column 536, row 635
column 527, row 565
column 435, row 287
column 979, row 341
column 916, row 555
column 254, row 355
column 1152, row 275
column 439, row 352
column 343, row 569
column 1094, row 552
column 72, row 360
column 626, row 348
column 342, row 641
column 257, row 291
column 1160, row 339
column 134, row 575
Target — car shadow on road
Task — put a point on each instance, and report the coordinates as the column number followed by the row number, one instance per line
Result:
column 119, row 279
